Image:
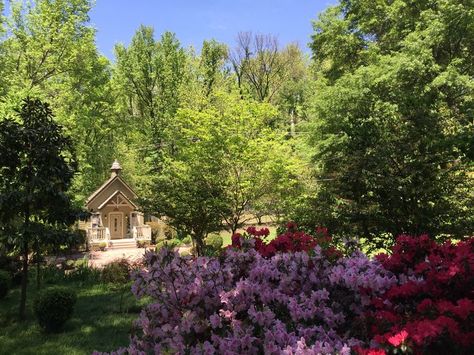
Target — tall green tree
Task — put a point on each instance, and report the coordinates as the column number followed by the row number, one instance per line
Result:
column 392, row 122
column 148, row 81
column 46, row 40
column 226, row 161
column 188, row 190
column 212, row 60
column 2, row 51
column 86, row 109
column 149, row 75
column 37, row 166
column 49, row 52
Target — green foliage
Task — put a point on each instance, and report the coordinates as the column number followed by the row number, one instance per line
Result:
column 226, row 159
column 187, row 240
column 170, row 244
column 11, row 264
column 157, row 232
column 213, row 245
column 83, row 273
column 53, row 307
column 37, row 165
column 391, row 122
column 49, row 53
column 213, row 56
column 116, row 272
column 77, row 271
column 148, row 80
column 5, row 283
column 96, row 306
column 215, row 241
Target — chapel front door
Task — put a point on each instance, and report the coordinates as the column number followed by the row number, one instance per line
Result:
column 116, row 225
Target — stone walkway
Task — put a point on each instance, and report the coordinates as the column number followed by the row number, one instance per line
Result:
column 101, row 258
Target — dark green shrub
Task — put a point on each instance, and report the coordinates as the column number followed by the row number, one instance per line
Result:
column 215, row 241
column 116, row 272
column 117, row 275
column 52, row 274
column 53, row 307
column 5, row 283
column 12, row 264
column 81, row 238
column 170, row 244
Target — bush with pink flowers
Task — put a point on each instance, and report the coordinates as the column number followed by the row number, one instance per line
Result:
column 244, row 302
column 297, row 294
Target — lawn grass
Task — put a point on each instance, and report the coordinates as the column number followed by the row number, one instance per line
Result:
column 95, row 325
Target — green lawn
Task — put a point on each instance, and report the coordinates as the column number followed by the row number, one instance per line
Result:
column 95, row 325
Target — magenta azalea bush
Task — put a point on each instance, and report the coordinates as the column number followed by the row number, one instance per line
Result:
column 244, row 303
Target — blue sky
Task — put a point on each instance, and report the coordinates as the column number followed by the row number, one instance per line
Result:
column 196, row 20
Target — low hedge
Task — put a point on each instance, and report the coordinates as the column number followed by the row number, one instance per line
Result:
column 53, row 307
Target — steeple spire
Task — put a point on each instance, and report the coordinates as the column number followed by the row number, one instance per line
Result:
column 116, row 168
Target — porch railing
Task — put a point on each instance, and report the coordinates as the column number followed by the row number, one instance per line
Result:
column 98, row 234
column 142, row 232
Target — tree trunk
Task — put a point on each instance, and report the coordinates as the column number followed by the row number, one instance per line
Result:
column 233, row 228
column 38, row 267
column 24, row 277
column 199, row 245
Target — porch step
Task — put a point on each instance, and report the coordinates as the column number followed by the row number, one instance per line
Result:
column 122, row 243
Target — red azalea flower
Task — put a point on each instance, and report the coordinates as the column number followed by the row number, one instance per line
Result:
column 424, row 305
column 398, row 338
column 464, row 308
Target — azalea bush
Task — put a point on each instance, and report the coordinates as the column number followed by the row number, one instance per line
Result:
column 299, row 294
column 430, row 308
column 290, row 240
column 246, row 302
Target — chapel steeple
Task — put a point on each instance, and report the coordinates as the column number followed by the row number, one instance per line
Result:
column 115, row 168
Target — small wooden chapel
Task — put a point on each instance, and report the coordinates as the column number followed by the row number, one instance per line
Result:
column 115, row 218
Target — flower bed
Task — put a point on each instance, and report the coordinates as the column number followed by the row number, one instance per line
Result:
column 298, row 294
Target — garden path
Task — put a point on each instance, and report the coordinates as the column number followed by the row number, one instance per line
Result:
column 101, row 258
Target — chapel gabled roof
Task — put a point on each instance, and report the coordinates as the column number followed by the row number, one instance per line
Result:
column 118, row 192
column 115, row 176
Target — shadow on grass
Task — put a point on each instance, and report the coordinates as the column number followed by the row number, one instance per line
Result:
column 96, row 324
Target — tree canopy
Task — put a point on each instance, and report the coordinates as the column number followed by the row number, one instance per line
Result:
column 37, row 166
column 392, row 116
